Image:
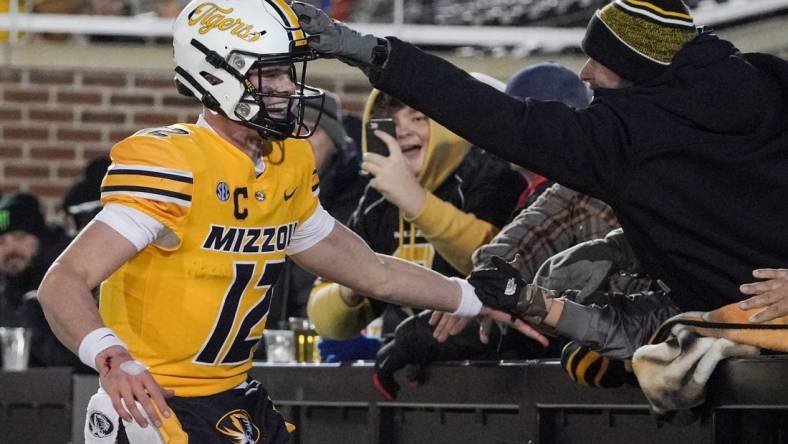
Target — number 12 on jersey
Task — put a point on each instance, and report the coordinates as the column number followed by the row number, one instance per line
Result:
column 242, row 344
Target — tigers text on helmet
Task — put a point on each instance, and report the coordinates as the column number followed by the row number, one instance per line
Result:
column 241, row 58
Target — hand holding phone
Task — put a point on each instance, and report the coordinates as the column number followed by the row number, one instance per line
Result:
column 374, row 143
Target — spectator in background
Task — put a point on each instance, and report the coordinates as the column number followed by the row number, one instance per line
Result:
column 21, row 228
column 342, row 9
column 82, row 201
column 432, row 201
column 30, row 245
column 58, row 7
column 339, row 9
column 337, row 160
column 27, row 247
column 547, row 81
column 113, row 8
column 168, row 8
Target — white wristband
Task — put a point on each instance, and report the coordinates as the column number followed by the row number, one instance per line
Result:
column 470, row 305
column 96, row 342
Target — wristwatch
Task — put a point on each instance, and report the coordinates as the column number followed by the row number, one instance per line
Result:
column 380, row 52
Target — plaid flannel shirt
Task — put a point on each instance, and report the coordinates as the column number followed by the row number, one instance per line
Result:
column 559, row 219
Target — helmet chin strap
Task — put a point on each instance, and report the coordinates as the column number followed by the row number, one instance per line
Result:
column 270, row 129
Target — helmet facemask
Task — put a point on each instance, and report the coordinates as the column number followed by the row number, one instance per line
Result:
column 276, row 114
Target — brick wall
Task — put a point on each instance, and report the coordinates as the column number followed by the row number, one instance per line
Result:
column 53, row 121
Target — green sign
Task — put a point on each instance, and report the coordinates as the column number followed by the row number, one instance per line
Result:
column 5, row 219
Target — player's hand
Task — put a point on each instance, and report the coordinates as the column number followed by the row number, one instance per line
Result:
column 518, row 324
column 393, row 177
column 771, row 293
column 447, row 325
column 126, row 381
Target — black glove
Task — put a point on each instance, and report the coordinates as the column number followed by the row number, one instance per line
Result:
column 502, row 287
column 412, row 344
column 413, row 348
column 333, row 38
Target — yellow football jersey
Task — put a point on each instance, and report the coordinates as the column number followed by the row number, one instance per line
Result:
column 195, row 311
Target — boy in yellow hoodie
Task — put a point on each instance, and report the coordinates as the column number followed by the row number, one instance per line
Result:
column 433, row 201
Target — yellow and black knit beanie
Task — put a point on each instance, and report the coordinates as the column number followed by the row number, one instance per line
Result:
column 637, row 39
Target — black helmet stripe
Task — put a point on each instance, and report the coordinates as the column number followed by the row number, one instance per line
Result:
column 205, row 97
column 289, row 27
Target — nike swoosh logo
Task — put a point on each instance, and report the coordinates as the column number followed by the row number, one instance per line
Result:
column 290, row 194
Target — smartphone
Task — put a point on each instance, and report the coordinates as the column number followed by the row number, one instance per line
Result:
column 374, row 143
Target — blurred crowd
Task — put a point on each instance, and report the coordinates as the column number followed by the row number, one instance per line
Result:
column 441, row 12
column 540, row 13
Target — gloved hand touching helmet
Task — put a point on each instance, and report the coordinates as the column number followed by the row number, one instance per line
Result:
column 335, row 39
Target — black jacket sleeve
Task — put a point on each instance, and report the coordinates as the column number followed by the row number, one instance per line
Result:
column 582, row 149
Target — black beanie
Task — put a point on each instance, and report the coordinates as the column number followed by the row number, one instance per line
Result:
column 637, row 39
column 21, row 212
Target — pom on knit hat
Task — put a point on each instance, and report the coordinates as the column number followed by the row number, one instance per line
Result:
column 637, row 39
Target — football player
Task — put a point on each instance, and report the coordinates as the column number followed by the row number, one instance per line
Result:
column 196, row 222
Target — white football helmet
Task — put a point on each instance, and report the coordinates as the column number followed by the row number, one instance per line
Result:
column 216, row 44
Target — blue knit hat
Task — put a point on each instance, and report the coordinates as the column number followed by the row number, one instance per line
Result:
column 549, row 81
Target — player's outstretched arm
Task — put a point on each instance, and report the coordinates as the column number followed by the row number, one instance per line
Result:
column 73, row 315
column 343, row 257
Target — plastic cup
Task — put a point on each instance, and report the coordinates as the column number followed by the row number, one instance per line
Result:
column 279, row 346
column 15, row 344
